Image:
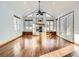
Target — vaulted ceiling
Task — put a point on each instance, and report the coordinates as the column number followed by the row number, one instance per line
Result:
column 55, row 8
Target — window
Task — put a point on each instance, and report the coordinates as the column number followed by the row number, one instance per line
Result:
column 49, row 25
column 28, row 25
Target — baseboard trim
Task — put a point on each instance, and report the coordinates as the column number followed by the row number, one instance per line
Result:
column 10, row 41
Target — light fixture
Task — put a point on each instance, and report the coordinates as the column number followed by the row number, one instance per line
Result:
column 39, row 11
column 17, row 17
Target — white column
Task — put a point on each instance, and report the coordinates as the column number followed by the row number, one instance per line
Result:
column 34, row 23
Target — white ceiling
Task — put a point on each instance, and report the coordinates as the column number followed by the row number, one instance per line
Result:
column 53, row 7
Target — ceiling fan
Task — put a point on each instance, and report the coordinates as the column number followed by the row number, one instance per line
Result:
column 39, row 11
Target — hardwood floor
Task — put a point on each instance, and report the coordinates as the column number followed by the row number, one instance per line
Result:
column 32, row 46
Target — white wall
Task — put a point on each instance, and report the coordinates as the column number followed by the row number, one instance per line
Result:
column 7, row 31
column 76, row 35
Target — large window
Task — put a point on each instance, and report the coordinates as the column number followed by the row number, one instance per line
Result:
column 28, row 25
column 66, row 27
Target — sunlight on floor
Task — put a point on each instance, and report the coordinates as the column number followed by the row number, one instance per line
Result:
column 17, row 49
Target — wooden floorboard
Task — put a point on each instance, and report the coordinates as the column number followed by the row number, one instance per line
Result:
column 29, row 46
